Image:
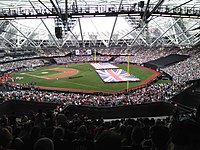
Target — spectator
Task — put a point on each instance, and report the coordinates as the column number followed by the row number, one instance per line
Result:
column 81, row 142
column 185, row 135
column 108, row 140
column 160, row 137
column 40, row 119
column 35, row 134
column 58, row 135
column 18, row 144
column 5, row 138
column 137, row 137
column 4, row 120
column 44, row 144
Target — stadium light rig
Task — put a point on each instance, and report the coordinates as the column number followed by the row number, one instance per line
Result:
column 63, row 17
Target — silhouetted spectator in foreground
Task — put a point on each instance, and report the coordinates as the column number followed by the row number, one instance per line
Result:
column 18, row 144
column 160, row 137
column 40, row 119
column 58, row 134
column 81, row 142
column 185, row 135
column 108, row 140
column 35, row 134
column 44, row 144
column 197, row 115
column 4, row 120
column 5, row 138
column 126, row 141
column 137, row 137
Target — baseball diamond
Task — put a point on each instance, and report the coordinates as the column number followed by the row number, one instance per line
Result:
column 81, row 77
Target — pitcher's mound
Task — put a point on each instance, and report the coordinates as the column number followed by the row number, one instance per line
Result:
column 65, row 72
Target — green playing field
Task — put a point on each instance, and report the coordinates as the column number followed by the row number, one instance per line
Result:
column 85, row 79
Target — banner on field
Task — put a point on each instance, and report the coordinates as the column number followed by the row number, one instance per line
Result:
column 116, row 75
column 104, row 66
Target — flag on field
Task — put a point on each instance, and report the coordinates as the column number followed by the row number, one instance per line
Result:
column 116, row 75
column 103, row 66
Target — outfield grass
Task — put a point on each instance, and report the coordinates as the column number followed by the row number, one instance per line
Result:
column 87, row 78
column 164, row 81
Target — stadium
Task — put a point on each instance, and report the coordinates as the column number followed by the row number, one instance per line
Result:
column 94, row 75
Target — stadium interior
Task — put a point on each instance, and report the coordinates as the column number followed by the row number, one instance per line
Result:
column 162, row 112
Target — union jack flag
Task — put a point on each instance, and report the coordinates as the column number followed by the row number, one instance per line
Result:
column 116, row 75
column 103, row 66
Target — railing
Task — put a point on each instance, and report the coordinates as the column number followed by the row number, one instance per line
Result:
column 98, row 10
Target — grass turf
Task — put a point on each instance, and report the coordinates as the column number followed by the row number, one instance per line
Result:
column 86, row 79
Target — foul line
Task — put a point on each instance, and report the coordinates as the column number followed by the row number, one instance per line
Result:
column 36, row 76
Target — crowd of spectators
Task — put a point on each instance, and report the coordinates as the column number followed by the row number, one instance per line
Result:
column 49, row 130
column 18, row 64
column 182, row 71
column 83, row 58
column 63, row 60
column 112, row 51
column 74, row 59
column 20, row 54
column 153, row 93
column 125, row 59
column 50, row 52
column 143, row 55
column 186, row 70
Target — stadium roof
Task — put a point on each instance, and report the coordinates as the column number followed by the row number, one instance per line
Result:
column 22, row 3
column 124, row 30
